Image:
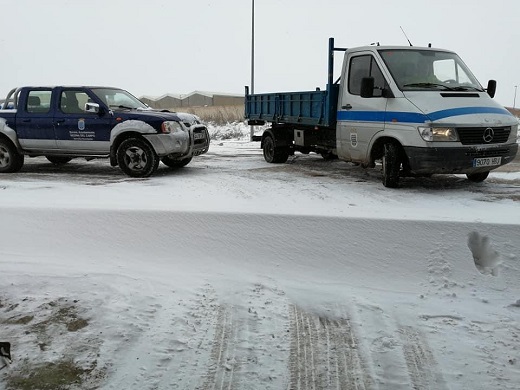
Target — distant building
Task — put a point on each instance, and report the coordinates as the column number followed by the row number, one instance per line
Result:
column 193, row 99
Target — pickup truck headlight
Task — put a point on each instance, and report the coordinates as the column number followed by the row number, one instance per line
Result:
column 438, row 134
column 171, row 127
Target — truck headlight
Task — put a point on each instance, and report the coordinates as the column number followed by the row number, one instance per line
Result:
column 438, row 134
column 171, row 127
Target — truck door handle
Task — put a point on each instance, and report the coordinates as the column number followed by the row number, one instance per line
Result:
column 60, row 121
column 346, row 107
column 26, row 120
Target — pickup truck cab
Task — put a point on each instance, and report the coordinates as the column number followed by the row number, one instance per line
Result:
column 62, row 123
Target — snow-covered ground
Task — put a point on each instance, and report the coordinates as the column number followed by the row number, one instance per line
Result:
column 232, row 273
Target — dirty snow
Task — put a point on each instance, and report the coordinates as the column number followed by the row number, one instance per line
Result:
column 235, row 273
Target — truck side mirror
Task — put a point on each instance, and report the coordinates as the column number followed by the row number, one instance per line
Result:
column 94, row 108
column 367, row 87
column 492, row 88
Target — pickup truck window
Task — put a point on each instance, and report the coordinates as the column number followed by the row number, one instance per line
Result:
column 38, row 102
column 119, row 99
column 73, row 101
column 365, row 66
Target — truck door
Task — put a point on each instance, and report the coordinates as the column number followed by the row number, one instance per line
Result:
column 34, row 125
column 77, row 130
column 359, row 119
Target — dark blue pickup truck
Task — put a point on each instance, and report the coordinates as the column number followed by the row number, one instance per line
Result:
column 62, row 123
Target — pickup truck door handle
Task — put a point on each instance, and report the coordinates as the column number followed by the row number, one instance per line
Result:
column 346, row 107
column 26, row 120
column 60, row 121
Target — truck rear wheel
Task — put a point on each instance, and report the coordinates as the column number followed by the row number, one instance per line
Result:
column 391, row 165
column 175, row 163
column 477, row 177
column 10, row 159
column 137, row 158
column 272, row 153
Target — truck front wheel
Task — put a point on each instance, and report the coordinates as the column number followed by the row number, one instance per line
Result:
column 391, row 165
column 477, row 177
column 137, row 158
column 272, row 153
column 10, row 159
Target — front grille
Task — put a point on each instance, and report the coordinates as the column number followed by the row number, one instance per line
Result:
column 475, row 135
column 200, row 140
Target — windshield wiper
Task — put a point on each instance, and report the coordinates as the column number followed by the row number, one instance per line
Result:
column 429, row 85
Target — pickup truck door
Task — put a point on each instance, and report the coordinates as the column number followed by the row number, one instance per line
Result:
column 78, row 131
column 359, row 119
column 34, row 125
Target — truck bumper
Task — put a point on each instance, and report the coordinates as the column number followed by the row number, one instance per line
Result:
column 456, row 160
column 189, row 143
column 164, row 144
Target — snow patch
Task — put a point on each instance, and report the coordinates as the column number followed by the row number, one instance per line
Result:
column 487, row 260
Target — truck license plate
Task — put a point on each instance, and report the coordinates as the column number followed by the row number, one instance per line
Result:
column 487, row 161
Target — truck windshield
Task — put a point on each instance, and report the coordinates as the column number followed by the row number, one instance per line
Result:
column 119, row 99
column 416, row 69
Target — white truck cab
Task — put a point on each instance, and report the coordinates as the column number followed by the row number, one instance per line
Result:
column 427, row 107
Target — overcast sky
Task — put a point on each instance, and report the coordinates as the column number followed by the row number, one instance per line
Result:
column 155, row 47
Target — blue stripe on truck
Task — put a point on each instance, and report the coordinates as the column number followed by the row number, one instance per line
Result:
column 413, row 117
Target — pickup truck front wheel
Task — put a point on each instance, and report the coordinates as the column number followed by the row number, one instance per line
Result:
column 10, row 159
column 137, row 158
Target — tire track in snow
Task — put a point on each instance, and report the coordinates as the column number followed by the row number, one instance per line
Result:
column 422, row 366
column 324, row 354
column 222, row 366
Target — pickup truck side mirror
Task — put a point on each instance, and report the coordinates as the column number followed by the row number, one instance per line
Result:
column 491, row 88
column 94, row 108
column 367, row 87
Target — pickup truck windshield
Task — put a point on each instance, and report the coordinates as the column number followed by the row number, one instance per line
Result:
column 418, row 69
column 119, row 99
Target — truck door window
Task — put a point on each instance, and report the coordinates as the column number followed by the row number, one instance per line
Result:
column 38, row 101
column 365, row 66
column 73, row 102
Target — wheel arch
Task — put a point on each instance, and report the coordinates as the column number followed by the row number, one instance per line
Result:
column 377, row 148
column 116, row 141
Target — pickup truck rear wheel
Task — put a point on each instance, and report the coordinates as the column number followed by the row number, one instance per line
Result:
column 391, row 165
column 175, row 163
column 58, row 160
column 10, row 159
column 272, row 153
column 477, row 177
column 137, row 158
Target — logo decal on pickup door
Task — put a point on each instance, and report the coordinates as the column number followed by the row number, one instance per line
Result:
column 81, row 124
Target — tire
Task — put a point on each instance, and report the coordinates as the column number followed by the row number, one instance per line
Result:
column 391, row 165
column 272, row 153
column 172, row 163
column 329, row 156
column 477, row 177
column 10, row 160
column 58, row 160
column 137, row 158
